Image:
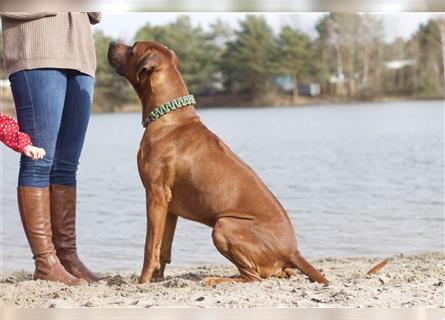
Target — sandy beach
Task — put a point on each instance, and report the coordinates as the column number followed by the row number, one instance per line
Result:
column 406, row 281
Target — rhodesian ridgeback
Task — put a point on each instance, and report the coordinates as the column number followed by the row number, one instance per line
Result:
column 188, row 172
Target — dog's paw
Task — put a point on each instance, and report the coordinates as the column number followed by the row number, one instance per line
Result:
column 158, row 275
column 157, row 278
column 210, row 281
column 144, row 280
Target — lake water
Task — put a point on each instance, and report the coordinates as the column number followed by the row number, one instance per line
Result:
column 356, row 179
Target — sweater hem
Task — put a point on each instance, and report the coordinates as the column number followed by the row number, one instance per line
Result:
column 50, row 63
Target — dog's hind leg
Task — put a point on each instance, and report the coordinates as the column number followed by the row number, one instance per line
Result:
column 166, row 246
column 229, row 240
column 286, row 273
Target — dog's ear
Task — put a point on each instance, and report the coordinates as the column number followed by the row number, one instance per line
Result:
column 146, row 64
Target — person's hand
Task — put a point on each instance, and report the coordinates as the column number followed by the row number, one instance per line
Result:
column 34, row 153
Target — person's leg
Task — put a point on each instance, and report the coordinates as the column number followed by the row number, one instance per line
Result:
column 73, row 127
column 76, row 113
column 39, row 96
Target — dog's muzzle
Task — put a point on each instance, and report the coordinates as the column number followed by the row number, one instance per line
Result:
column 113, row 60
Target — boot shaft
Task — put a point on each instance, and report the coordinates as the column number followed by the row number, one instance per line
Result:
column 36, row 219
column 63, row 217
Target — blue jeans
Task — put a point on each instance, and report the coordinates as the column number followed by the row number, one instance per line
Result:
column 53, row 106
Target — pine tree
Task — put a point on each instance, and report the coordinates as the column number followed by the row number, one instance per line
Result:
column 295, row 57
column 247, row 61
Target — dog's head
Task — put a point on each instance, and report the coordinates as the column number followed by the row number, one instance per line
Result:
column 142, row 61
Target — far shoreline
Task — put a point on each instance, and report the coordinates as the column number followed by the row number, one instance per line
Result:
column 307, row 102
column 208, row 102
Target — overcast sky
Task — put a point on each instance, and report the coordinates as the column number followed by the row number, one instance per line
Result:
column 125, row 25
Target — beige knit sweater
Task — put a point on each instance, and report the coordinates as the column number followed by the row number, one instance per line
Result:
column 49, row 40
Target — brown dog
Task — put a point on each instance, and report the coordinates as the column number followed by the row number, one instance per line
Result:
column 188, row 172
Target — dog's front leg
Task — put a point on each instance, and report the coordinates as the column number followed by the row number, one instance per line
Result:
column 158, row 198
column 166, row 247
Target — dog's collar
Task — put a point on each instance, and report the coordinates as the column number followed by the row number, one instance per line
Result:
column 167, row 107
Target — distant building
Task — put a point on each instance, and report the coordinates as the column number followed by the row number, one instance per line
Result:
column 214, row 85
column 286, row 83
column 340, row 86
column 399, row 77
column 399, row 64
column 309, row 89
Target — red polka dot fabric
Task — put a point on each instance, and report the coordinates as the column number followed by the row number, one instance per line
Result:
column 11, row 136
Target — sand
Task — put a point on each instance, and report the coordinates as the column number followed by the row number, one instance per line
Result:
column 406, row 281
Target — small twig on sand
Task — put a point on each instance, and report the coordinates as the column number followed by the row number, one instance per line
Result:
column 378, row 267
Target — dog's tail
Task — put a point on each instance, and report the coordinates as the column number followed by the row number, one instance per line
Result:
column 304, row 266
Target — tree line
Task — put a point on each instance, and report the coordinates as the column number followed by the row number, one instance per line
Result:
column 349, row 49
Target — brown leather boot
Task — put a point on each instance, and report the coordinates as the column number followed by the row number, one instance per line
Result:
column 63, row 222
column 35, row 214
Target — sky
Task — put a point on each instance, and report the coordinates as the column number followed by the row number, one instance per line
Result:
column 125, row 25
